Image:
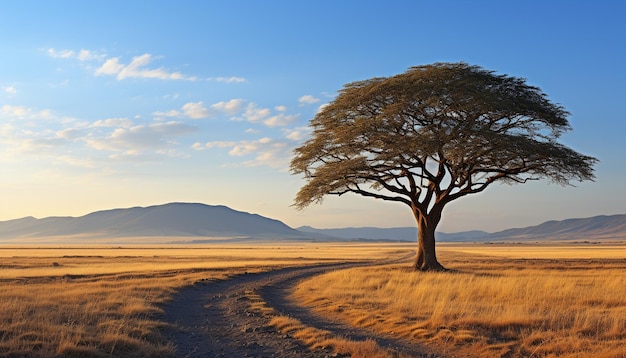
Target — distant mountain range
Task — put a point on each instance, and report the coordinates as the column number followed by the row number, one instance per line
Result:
column 594, row 228
column 193, row 222
column 169, row 220
column 391, row 234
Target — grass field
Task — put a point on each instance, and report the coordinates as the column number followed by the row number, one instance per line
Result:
column 526, row 301
column 92, row 301
column 498, row 300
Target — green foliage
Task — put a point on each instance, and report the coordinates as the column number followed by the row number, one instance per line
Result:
column 434, row 134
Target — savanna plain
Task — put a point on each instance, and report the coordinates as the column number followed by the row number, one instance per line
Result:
column 502, row 300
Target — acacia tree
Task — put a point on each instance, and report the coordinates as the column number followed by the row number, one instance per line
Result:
column 431, row 135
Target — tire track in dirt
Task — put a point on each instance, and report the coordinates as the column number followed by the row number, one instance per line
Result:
column 276, row 297
column 214, row 318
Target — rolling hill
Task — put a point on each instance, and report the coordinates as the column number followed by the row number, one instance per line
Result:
column 593, row 228
column 174, row 220
column 194, row 222
column 391, row 234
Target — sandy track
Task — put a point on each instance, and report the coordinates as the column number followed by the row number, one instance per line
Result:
column 214, row 319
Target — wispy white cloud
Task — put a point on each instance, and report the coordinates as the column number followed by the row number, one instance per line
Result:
column 45, row 146
column 111, row 66
column 113, row 122
column 171, row 96
column 297, row 134
column 274, row 153
column 138, row 68
column 132, row 155
column 69, row 133
column 81, row 55
column 245, row 147
column 141, row 137
column 72, row 142
column 231, row 107
column 137, row 156
column 16, row 141
column 60, row 53
column 170, row 113
column 195, row 110
column 308, row 99
column 266, row 151
column 255, row 114
column 233, row 79
column 280, row 120
column 97, row 144
column 237, row 109
column 14, row 111
column 40, row 135
column 22, row 113
column 40, row 144
column 86, row 55
column 215, row 144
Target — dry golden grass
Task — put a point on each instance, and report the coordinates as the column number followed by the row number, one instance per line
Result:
column 487, row 306
column 32, row 261
column 615, row 250
column 321, row 339
column 98, row 301
column 313, row 337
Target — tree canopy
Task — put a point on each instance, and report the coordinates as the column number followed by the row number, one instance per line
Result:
column 432, row 135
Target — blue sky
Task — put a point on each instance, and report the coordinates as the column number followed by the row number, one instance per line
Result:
column 135, row 103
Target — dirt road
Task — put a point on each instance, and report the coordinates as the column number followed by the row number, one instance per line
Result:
column 214, row 319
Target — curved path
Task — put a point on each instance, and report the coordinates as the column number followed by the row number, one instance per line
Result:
column 214, row 319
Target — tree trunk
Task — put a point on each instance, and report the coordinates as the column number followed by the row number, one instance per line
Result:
column 426, row 257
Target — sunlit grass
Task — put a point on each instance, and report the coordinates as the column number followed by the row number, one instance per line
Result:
column 102, row 301
column 487, row 306
column 524, row 301
column 548, row 250
column 316, row 338
column 39, row 262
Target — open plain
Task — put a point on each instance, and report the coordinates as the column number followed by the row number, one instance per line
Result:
column 313, row 300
